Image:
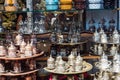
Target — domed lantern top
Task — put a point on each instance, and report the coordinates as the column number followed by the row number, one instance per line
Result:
column 11, row 5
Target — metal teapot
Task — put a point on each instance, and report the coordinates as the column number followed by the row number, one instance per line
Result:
column 28, row 50
column 116, row 36
column 78, row 63
column 22, row 46
column 71, row 59
column 12, row 51
column 61, row 66
column 51, row 63
column 104, row 38
column 3, row 51
column 57, row 60
column 2, row 68
column 116, row 67
column 60, row 38
column 96, row 36
column 18, row 39
column 103, row 75
column 104, row 57
column 94, row 49
column 79, row 58
column 17, row 67
column 116, row 57
column 103, row 63
column 100, row 49
column 23, row 43
column 113, row 50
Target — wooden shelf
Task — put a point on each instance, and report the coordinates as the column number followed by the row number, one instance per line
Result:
column 91, row 57
column 18, row 74
column 34, row 56
column 42, row 58
column 71, row 44
column 84, row 57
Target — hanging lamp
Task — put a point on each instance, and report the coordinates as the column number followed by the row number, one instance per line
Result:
column 11, row 5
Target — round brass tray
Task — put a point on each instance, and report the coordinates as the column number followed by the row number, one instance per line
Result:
column 18, row 74
column 19, row 58
column 47, row 32
column 87, row 67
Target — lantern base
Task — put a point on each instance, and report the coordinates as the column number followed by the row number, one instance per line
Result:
column 10, row 8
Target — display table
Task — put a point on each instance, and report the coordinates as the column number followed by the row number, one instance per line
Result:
column 70, row 75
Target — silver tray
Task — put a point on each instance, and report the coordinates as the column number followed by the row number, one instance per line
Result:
column 87, row 67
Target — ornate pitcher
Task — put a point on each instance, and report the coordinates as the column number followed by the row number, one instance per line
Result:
column 71, row 59
column 78, row 63
column 116, row 57
column 104, row 38
column 22, row 46
column 116, row 67
column 2, row 68
column 60, row 38
column 50, row 63
column 96, row 36
column 12, row 51
column 18, row 39
column 105, row 76
column 57, row 60
column 61, row 66
column 17, row 67
column 100, row 49
column 95, row 49
column 3, row 51
column 113, row 50
column 103, row 63
column 28, row 50
column 116, row 36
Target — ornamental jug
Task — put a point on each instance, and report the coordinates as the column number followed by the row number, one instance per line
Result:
column 116, row 36
column 50, row 63
column 104, row 38
column 113, row 50
column 12, row 51
column 100, row 49
column 96, row 36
